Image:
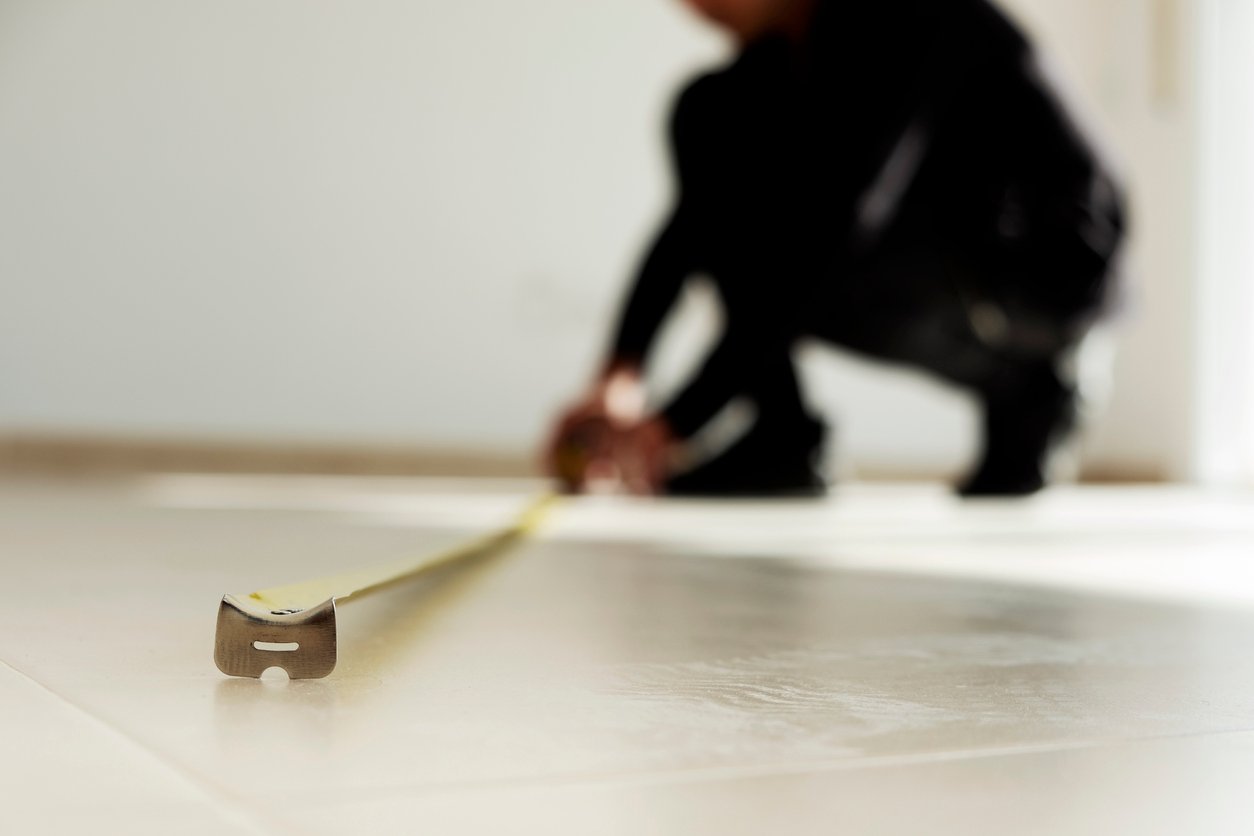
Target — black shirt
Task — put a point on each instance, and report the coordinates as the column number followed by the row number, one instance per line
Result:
column 799, row 159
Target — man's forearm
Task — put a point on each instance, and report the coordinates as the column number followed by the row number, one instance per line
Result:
column 658, row 282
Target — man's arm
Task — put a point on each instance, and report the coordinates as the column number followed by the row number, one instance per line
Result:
column 673, row 256
column 729, row 369
column 587, row 435
column 661, row 276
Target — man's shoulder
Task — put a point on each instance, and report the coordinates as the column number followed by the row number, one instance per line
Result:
column 855, row 27
column 705, row 88
column 699, row 104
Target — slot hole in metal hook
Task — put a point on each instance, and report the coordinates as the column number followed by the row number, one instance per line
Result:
column 277, row 647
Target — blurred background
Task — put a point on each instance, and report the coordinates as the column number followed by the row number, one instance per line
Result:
column 389, row 236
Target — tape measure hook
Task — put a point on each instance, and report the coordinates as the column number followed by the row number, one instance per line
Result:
column 250, row 640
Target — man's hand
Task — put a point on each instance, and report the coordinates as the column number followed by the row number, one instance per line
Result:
column 642, row 453
column 604, row 439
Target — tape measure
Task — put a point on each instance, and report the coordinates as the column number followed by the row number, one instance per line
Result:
column 293, row 627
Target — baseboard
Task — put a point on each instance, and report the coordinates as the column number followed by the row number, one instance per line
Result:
column 104, row 455
column 40, row 454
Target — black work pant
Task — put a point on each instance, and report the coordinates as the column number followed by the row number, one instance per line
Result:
column 925, row 308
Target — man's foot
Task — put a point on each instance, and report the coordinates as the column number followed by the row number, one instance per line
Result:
column 1023, row 423
column 770, row 460
column 988, row 482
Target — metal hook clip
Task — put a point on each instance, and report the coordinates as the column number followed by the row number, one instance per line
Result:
column 301, row 642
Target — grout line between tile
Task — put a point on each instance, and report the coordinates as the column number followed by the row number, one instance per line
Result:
column 220, row 800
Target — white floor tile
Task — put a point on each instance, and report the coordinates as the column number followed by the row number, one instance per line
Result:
column 63, row 771
column 887, row 657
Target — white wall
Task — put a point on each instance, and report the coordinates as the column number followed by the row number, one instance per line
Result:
column 409, row 222
column 1224, row 387
column 1134, row 65
column 320, row 218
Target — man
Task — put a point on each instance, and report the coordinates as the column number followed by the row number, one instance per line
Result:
column 892, row 176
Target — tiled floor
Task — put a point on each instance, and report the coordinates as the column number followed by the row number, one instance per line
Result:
column 887, row 661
